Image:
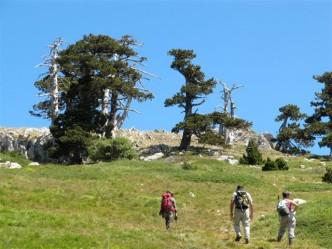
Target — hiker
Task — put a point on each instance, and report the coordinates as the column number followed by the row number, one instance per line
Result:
column 241, row 211
column 286, row 210
column 168, row 208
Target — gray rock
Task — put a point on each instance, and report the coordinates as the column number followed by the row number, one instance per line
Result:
column 232, row 161
column 154, row 157
column 225, row 157
column 10, row 165
column 34, row 164
column 29, row 142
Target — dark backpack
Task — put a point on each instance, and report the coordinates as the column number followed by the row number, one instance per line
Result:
column 282, row 208
column 167, row 203
column 241, row 200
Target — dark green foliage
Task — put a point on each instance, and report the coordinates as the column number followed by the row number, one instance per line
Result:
column 201, row 126
column 328, row 175
column 112, row 149
column 291, row 136
column 70, row 144
column 191, row 94
column 212, row 138
column 88, row 69
column 278, row 164
column 320, row 123
column 281, row 164
column 269, row 165
column 254, row 156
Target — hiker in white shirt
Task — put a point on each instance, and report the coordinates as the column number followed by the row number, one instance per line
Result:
column 241, row 210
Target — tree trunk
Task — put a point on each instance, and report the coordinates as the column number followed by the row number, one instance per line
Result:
column 106, row 110
column 186, row 140
column 110, row 133
column 187, row 133
column 55, row 87
column 121, row 118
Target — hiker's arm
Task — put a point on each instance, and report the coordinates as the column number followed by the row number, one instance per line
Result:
column 294, row 204
column 231, row 206
column 251, row 208
column 174, row 203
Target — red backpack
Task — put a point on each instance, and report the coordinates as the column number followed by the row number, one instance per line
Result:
column 167, row 203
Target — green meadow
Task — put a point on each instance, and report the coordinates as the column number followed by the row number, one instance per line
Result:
column 115, row 205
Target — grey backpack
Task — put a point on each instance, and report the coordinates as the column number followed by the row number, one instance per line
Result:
column 282, row 208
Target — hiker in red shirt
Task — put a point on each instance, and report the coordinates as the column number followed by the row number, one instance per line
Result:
column 168, row 208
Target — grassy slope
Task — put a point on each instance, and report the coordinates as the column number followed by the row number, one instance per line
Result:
column 115, row 205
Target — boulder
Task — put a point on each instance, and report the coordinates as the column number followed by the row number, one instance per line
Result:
column 10, row 165
column 155, row 156
column 232, row 161
column 33, row 164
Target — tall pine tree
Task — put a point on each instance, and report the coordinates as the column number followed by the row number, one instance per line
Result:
column 320, row 123
column 291, row 136
column 191, row 94
column 100, row 78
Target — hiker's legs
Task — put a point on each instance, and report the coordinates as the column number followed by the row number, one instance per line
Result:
column 168, row 219
column 284, row 220
column 291, row 228
column 236, row 222
column 246, row 224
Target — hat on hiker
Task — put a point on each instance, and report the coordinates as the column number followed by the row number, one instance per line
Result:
column 285, row 194
column 239, row 187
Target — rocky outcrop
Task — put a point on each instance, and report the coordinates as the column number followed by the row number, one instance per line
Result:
column 264, row 140
column 29, row 142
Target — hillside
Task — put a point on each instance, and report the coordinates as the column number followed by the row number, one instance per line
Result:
column 115, row 205
column 30, row 142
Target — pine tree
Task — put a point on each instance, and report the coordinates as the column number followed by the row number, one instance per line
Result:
column 291, row 136
column 320, row 123
column 192, row 93
column 100, row 78
column 254, row 156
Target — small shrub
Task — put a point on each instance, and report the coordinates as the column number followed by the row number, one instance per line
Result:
column 112, row 149
column 281, row 164
column 188, row 166
column 328, row 175
column 254, row 156
column 278, row 164
column 269, row 165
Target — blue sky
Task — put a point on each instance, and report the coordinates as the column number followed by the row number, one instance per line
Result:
column 272, row 47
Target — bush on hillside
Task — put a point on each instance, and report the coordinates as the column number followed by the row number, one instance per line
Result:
column 188, row 166
column 254, row 156
column 112, row 149
column 278, row 164
column 281, row 164
column 328, row 175
column 269, row 165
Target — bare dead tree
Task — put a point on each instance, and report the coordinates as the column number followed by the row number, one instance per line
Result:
column 229, row 107
column 50, row 61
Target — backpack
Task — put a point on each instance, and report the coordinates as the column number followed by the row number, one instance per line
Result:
column 166, row 203
column 282, row 208
column 241, row 200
